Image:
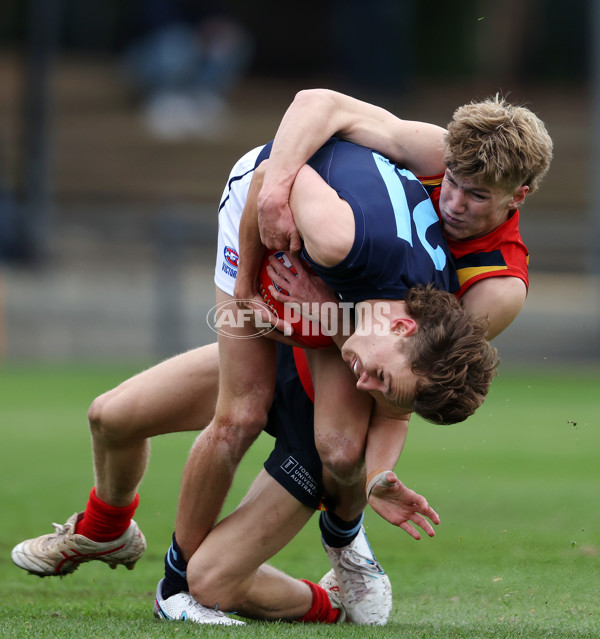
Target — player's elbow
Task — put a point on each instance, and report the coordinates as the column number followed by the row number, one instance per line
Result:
column 314, row 98
column 322, row 103
column 499, row 321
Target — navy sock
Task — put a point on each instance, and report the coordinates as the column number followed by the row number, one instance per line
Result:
column 337, row 532
column 175, row 572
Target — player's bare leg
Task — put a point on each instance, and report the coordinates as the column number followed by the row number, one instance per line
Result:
column 341, row 416
column 176, row 395
column 246, row 383
column 340, row 437
column 266, row 520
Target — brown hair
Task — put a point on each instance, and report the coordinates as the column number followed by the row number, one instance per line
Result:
column 497, row 143
column 450, row 354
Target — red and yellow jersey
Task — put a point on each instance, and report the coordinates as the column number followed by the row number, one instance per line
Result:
column 499, row 253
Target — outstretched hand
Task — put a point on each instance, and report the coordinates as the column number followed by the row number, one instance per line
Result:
column 400, row 505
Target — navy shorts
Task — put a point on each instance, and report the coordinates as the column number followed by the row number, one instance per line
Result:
column 294, row 462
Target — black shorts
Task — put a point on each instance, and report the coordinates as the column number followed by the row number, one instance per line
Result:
column 294, row 462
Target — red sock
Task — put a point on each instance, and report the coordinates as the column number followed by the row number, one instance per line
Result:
column 321, row 610
column 103, row 522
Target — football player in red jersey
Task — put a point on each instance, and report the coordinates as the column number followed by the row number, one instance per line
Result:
column 475, row 209
column 479, row 171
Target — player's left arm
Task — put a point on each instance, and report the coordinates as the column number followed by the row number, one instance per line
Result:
column 500, row 299
column 252, row 254
column 252, row 251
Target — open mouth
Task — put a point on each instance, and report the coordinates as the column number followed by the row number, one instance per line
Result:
column 354, row 363
column 352, row 360
column 358, row 371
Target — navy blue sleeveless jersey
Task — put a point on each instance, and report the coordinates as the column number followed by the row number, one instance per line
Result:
column 398, row 239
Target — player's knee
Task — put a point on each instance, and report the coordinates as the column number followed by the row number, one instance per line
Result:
column 233, row 438
column 97, row 416
column 239, row 424
column 213, row 588
column 343, row 459
column 103, row 420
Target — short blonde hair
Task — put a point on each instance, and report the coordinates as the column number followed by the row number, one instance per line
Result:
column 498, row 144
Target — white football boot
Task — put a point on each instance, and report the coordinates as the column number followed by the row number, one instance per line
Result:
column 364, row 588
column 62, row 552
column 183, row 606
column 330, row 584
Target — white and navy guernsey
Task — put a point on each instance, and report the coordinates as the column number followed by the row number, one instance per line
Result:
column 398, row 238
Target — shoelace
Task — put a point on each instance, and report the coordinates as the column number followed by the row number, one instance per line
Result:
column 357, row 567
column 60, row 530
column 207, row 612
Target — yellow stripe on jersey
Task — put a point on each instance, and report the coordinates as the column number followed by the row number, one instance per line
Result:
column 465, row 274
column 434, row 181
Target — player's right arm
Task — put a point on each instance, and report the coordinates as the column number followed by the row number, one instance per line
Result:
column 386, row 494
column 313, row 117
column 500, row 299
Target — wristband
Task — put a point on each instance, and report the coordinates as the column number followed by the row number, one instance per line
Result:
column 377, row 476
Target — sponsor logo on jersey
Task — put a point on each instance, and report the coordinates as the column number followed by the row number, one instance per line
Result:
column 299, row 475
column 289, row 465
column 228, row 270
column 231, row 255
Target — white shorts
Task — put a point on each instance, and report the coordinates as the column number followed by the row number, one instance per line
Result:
column 230, row 214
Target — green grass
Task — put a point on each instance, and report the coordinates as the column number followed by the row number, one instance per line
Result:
column 516, row 487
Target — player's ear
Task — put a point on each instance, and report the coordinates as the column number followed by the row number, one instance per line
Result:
column 518, row 197
column 404, row 326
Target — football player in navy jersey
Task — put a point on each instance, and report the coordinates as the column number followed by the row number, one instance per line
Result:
column 475, row 203
column 370, row 231
column 477, row 172
column 400, row 327
column 179, row 394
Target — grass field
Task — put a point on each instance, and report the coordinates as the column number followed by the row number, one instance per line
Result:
column 516, row 554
